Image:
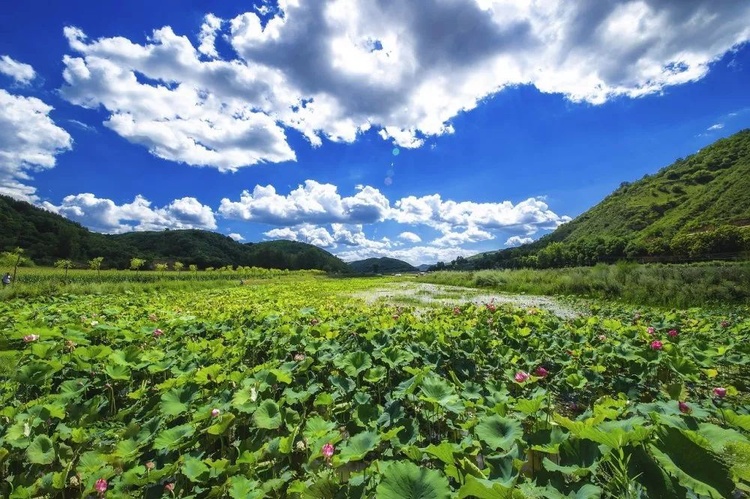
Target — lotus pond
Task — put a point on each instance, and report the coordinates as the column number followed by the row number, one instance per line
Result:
column 293, row 388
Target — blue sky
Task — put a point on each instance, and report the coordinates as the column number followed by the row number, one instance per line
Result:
column 367, row 128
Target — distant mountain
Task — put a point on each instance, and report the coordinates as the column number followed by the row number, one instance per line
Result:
column 381, row 266
column 46, row 237
column 696, row 208
column 423, row 267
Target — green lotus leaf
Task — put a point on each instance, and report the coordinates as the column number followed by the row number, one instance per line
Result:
column 90, row 463
column 41, row 450
column 118, row 372
column 406, row 480
column 358, row 446
column 172, row 438
column 484, row 489
column 126, row 449
column 223, row 424
column 694, row 466
column 375, row 374
column 499, row 432
column 244, row 488
column 177, row 400
column 267, row 415
column 193, row 468
column 354, row 363
column 436, row 390
column 395, row 356
column 444, row 452
column 529, row 406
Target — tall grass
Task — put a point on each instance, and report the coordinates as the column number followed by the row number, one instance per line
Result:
column 681, row 285
column 37, row 281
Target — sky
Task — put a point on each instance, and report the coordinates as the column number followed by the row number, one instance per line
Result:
column 416, row 130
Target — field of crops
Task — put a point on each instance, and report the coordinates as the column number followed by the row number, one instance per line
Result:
column 292, row 388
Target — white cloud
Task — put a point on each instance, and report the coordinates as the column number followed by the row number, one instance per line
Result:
column 471, row 234
column 312, row 202
column 432, row 210
column 29, row 142
column 717, row 126
column 334, row 69
column 163, row 97
column 416, row 255
column 410, row 237
column 22, row 73
column 518, row 241
column 207, row 36
column 104, row 215
column 236, row 237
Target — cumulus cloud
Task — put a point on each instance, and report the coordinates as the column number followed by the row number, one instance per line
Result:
column 236, row 237
column 334, row 69
column 29, row 142
column 336, row 236
column 471, row 234
column 23, row 74
column 444, row 215
column 416, row 255
column 312, row 202
column 410, row 237
column 517, row 241
column 104, row 215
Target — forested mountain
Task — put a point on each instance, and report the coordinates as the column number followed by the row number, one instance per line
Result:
column 697, row 208
column 381, row 266
column 46, row 237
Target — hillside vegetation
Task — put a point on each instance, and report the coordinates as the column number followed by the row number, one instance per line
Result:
column 46, row 237
column 381, row 266
column 697, row 208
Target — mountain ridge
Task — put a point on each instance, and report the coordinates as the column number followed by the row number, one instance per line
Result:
column 696, row 208
column 46, row 237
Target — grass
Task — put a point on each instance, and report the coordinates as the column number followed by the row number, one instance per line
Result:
column 652, row 284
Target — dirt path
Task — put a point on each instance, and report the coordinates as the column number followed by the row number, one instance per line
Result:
column 424, row 294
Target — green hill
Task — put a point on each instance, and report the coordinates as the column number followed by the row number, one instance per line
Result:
column 381, row 266
column 697, row 208
column 46, row 237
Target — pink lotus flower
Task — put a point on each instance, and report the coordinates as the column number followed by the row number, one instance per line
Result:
column 650, row 330
column 456, row 310
column 636, row 316
column 684, row 408
column 299, row 357
column 602, row 337
column 491, row 307
column 169, row 487
column 328, row 451
column 30, row 337
column 720, row 392
column 656, row 345
column 215, row 413
column 150, row 465
column 724, row 324
column 672, row 333
column 541, row 372
column 101, row 486
column 314, row 322
column 158, row 332
column 521, row 376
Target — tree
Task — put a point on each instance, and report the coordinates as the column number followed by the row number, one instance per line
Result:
column 96, row 264
column 178, row 266
column 136, row 263
column 64, row 264
column 160, row 267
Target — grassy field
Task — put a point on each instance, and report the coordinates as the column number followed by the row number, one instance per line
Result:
column 681, row 285
column 300, row 386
